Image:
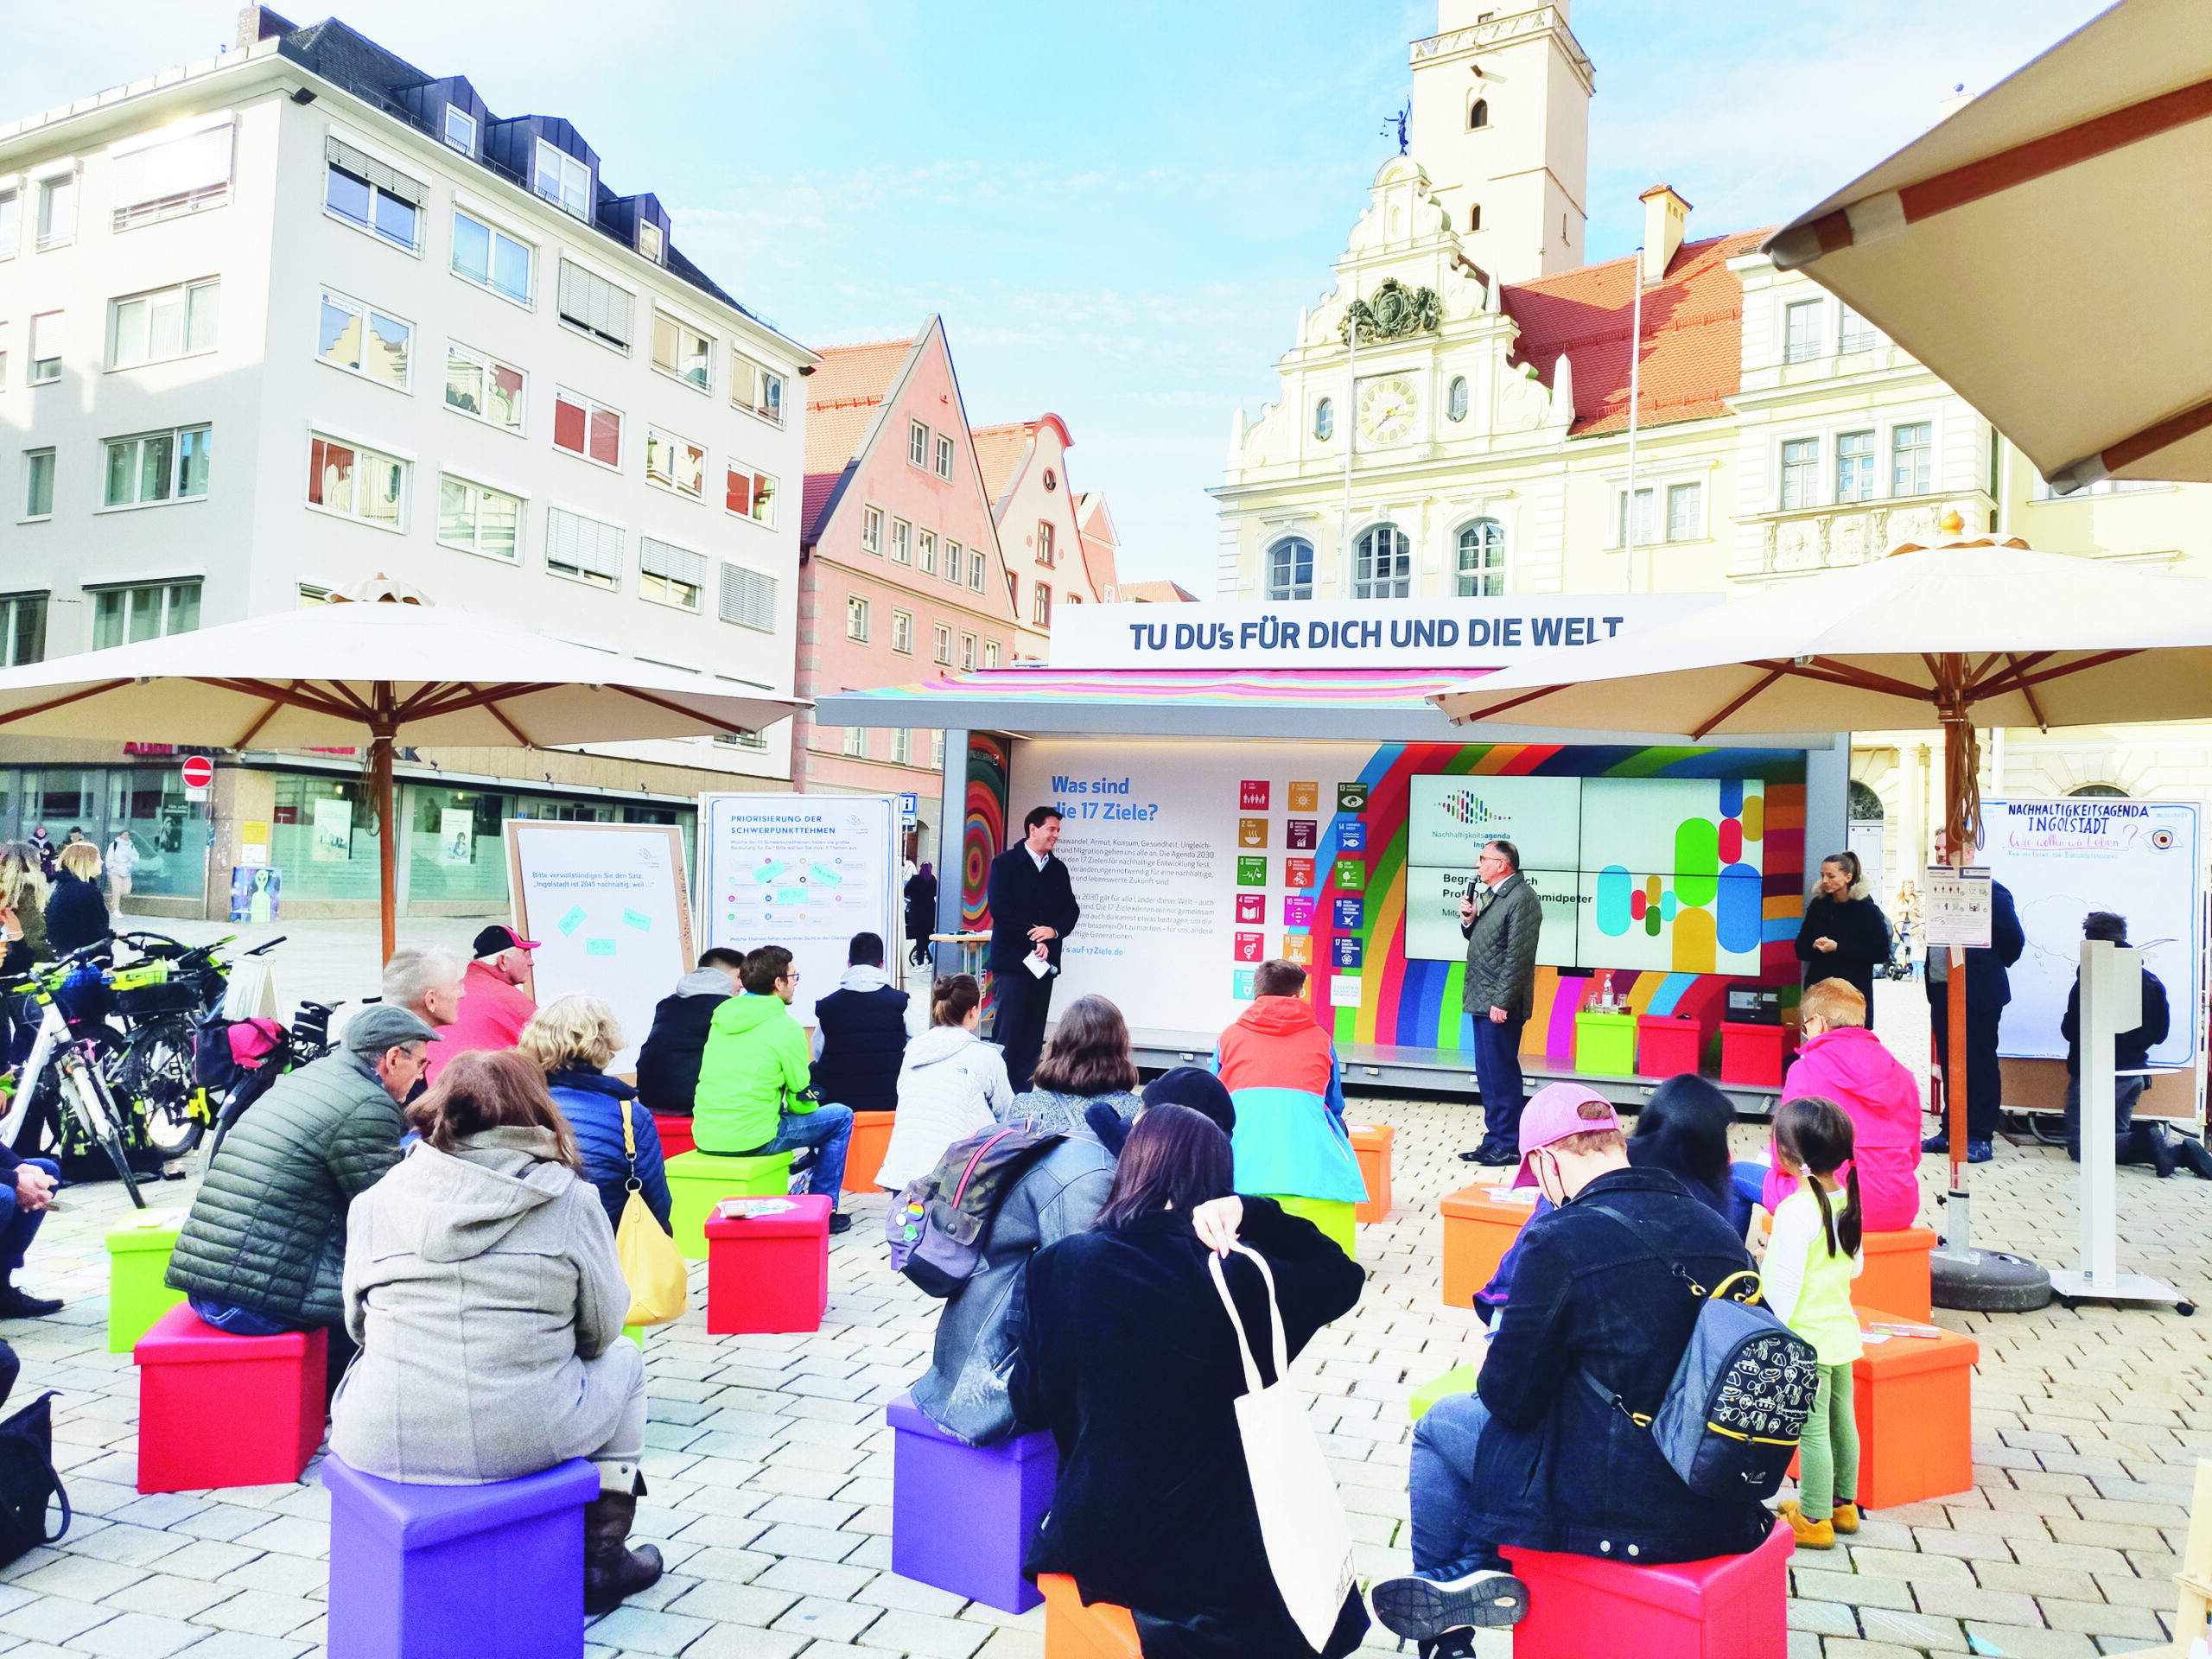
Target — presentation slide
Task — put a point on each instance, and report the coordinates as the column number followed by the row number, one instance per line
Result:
column 1433, row 898
column 1450, row 818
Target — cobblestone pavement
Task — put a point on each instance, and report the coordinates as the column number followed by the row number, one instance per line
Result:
column 771, row 1468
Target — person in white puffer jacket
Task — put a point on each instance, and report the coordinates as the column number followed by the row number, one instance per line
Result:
column 951, row 1085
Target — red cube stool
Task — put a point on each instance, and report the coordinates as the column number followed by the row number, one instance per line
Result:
column 768, row 1272
column 1896, row 1276
column 864, row 1153
column 1479, row 1226
column 675, row 1133
column 1667, row 1044
column 265, row 1392
column 1370, row 1144
column 1102, row 1631
column 1752, row 1054
column 1729, row 1607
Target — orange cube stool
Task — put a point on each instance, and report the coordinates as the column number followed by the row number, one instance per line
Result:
column 1072, row 1630
column 1914, row 1399
column 864, row 1153
column 1896, row 1276
column 1729, row 1607
column 1479, row 1227
column 675, row 1133
column 1371, row 1142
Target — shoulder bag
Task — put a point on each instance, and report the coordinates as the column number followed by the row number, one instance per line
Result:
column 651, row 1262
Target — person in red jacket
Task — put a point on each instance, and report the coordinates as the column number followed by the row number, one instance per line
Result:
column 493, row 1006
column 1840, row 1060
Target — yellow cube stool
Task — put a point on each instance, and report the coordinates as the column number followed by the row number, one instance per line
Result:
column 138, row 1249
column 697, row 1181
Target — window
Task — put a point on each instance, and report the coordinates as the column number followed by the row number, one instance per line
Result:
column 1482, row 559
column 676, row 463
column 1854, row 467
column 57, row 211
column 1912, row 458
column 1041, row 607
column 1290, row 569
column 353, row 482
column 1646, row 527
column 125, row 616
column 584, row 428
column 952, row 562
column 758, row 390
column 968, row 653
column 378, row 199
column 1384, row 564
column 1801, row 331
column 11, row 213
column 1801, row 467
column 165, row 175
column 46, row 347
column 38, row 483
column 918, row 444
column 460, row 129
column 855, row 618
column 945, row 457
column 742, row 740
column 1455, row 400
column 564, row 181
column 937, row 750
column 991, row 652
column 490, row 259
column 157, row 467
column 1859, row 334
column 1685, row 513
column 902, row 746
column 856, row 742
column 975, row 571
column 479, row 520
column 925, row 559
column 583, row 550
column 902, row 542
column 902, row 632
column 944, row 648
column 1479, row 114
column 153, row 327
column 672, row 575
column 23, row 630
column 592, row 303
column 1044, row 544
column 363, row 341
column 750, row 494
column 1324, row 419
column 1474, row 216
column 872, row 530
column 682, row 351
column 748, row 598
column 484, row 387
column 2102, row 487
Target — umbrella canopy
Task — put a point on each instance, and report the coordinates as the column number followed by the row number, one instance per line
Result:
column 2037, row 249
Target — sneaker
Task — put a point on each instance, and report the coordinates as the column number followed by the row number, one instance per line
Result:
column 1981, row 1151
column 840, row 1222
column 1488, row 1598
column 1809, row 1533
column 1937, row 1143
column 2190, row 1151
column 1459, row 1644
column 1845, row 1518
column 16, row 1305
column 2151, row 1147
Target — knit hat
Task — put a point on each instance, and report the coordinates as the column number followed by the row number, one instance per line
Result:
column 1196, row 1087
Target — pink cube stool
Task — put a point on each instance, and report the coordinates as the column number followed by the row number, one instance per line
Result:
column 1729, row 1607
column 962, row 1516
column 769, row 1273
column 266, row 1393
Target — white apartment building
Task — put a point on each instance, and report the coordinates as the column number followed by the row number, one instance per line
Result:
column 302, row 314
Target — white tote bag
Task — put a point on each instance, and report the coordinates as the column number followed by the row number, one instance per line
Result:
column 1302, row 1521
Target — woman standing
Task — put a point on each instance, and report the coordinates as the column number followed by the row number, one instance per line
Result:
column 1087, row 1063
column 1845, row 936
column 921, row 914
column 76, row 915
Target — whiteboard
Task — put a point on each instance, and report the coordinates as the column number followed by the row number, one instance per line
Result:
column 804, row 872
column 607, row 905
column 2063, row 859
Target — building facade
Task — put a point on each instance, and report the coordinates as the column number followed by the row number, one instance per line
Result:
column 1051, row 559
column 302, row 314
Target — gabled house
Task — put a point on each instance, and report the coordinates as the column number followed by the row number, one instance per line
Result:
column 1040, row 528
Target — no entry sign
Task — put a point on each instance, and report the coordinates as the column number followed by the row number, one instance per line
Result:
column 199, row 772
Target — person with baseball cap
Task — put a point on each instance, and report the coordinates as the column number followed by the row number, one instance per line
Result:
column 1546, row 1455
column 493, row 1006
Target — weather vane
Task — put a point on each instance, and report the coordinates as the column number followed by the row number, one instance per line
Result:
column 1395, row 126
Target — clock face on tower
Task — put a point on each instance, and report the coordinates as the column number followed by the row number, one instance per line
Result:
column 1386, row 410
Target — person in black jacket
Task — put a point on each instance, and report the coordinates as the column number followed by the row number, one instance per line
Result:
column 668, row 1062
column 862, row 1026
column 76, row 915
column 1844, row 936
column 921, row 914
column 1032, row 912
column 2136, row 1143
column 1537, row 1459
column 1989, row 987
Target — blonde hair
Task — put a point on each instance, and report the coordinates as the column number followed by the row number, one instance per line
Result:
column 1590, row 1142
column 81, row 859
column 573, row 1028
column 22, row 884
column 1835, row 1001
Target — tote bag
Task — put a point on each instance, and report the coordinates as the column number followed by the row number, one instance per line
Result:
column 27, row 1483
column 1302, row 1522
column 651, row 1262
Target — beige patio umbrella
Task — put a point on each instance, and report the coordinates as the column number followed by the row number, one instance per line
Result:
column 2045, row 248
column 396, row 669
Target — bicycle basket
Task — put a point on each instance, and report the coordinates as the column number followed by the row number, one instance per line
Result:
column 171, row 997
column 139, row 974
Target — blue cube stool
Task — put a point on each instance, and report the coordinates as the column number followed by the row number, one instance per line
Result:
column 492, row 1571
column 962, row 1516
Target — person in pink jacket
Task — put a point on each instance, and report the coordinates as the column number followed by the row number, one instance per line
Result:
column 1840, row 1060
column 494, row 1008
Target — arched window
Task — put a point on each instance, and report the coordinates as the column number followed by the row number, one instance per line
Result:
column 1479, row 114
column 1482, row 559
column 2097, row 792
column 1862, row 804
column 1384, row 565
column 1475, row 217
column 1455, row 398
column 1290, row 569
column 1324, row 419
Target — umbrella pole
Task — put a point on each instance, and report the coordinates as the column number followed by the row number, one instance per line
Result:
column 387, row 827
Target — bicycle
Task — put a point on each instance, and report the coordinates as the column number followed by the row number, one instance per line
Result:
column 83, row 1090
column 163, row 997
column 306, row 1041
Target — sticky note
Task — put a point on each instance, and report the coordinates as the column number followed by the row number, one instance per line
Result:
column 599, row 947
column 638, row 919
column 569, row 923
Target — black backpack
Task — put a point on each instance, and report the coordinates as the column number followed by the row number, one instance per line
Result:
column 937, row 1227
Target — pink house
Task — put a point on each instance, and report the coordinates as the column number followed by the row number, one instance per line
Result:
column 1049, row 558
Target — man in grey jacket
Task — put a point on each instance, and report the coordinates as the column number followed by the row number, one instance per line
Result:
column 1500, row 919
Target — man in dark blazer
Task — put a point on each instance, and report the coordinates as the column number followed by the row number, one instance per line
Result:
column 1500, row 919
column 1032, row 912
column 1989, row 987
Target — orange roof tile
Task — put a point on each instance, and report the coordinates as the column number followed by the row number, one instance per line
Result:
column 1692, row 335
column 843, row 395
column 998, row 451
column 1157, row 593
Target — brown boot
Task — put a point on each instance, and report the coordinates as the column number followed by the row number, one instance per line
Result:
column 611, row 1570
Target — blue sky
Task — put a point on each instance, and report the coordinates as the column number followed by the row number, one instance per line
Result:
column 1118, row 208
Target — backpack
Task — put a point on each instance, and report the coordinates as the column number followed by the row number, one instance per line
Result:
column 938, row 1225
column 1740, row 1395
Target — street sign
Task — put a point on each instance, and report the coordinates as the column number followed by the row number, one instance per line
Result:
column 910, row 802
column 199, row 774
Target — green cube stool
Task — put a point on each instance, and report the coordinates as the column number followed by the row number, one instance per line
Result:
column 697, row 1181
column 1460, row 1381
column 1605, row 1044
column 138, row 1250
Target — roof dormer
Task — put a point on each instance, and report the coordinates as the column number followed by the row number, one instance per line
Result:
column 552, row 159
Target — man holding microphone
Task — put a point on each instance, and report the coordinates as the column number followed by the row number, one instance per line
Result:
column 1500, row 919
column 1032, row 912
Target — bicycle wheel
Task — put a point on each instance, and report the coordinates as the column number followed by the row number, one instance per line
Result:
column 85, row 1093
column 156, row 1069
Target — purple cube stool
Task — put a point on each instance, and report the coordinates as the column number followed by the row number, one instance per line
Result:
column 962, row 1516
column 492, row 1571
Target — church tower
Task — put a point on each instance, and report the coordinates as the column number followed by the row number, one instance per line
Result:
column 1501, row 123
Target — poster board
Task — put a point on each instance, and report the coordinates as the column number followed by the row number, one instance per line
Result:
column 806, row 872
column 606, row 903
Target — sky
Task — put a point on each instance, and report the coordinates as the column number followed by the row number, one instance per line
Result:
column 1118, row 208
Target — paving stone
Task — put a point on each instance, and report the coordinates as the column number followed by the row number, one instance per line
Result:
column 925, row 1633
column 257, row 1612
column 137, row 1636
column 169, row 1596
column 239, row 1644
column 835, row 1621
column 640, row 1630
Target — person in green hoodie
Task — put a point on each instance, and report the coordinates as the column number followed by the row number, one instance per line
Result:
column 756, row 1094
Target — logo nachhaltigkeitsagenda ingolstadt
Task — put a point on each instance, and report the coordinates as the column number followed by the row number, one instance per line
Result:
column 1465, row 806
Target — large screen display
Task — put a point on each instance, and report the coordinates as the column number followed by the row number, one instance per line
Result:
column 1646, row 872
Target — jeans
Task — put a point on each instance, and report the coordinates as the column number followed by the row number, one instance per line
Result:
column 1441, row 1488
column 1497, row 1075
column 239, row 1321
column 1985, row 1081
column 1828, row 1455
column 826, row 1131
column 18, row 1226
column 2126, row 1092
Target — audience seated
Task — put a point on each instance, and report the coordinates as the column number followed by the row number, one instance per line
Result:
column 1087, row 1061
column 862, row 1033
column 1839, row 1059
column 427, row 980
column 494, row 1008
column 1184, row 1085
column 1683, row 1126
column 951, row 1084
column 482, row 1286
column 1128, row 1356
column 571, row 1041
column 667, row 1063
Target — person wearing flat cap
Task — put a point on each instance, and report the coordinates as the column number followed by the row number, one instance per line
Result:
column 264, row 1249
column 494, row 1008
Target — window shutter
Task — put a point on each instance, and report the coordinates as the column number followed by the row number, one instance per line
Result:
column 676, row 563
column 607, row 436
column 175, row 176
column 592, row 302
column 391, row 181
column 737, row 494
column 577, row 542
column 748, row 598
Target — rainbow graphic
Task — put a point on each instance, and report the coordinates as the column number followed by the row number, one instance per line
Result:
column 983, row 836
